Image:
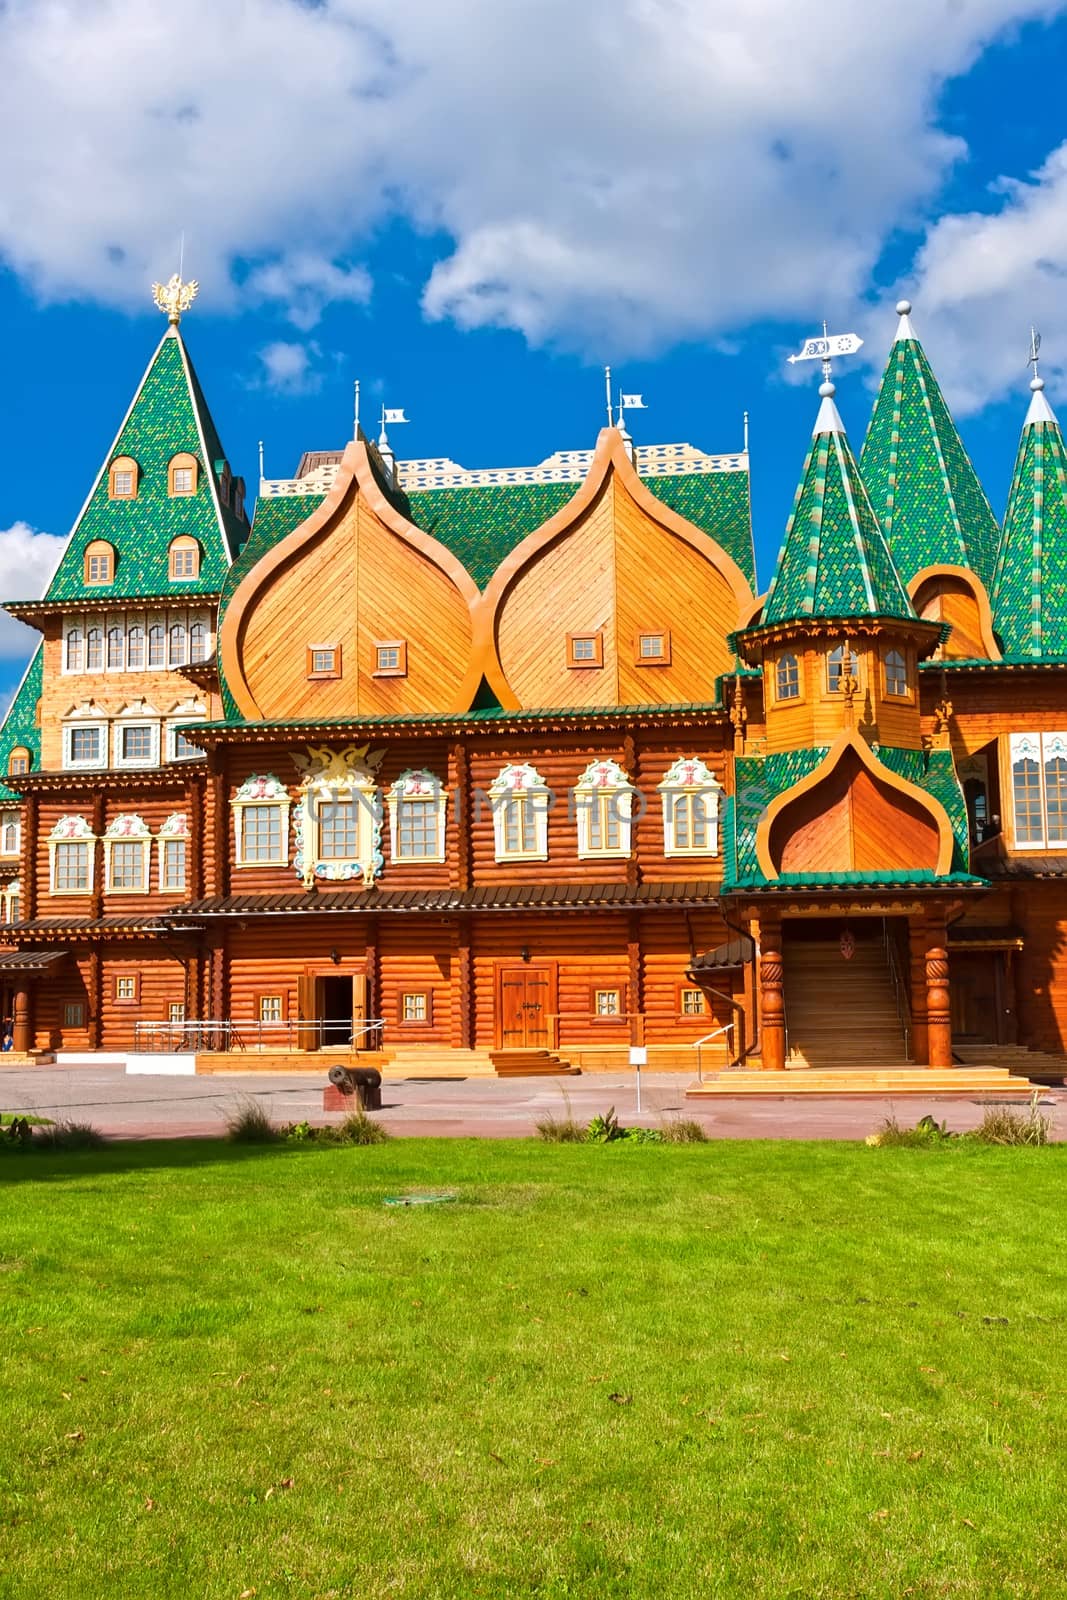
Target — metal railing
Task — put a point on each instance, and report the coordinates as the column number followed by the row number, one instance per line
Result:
column 708, row 1037
column 900, row 988
column 315, row 1033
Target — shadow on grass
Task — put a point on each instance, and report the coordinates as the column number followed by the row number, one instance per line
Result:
column 138, row 1155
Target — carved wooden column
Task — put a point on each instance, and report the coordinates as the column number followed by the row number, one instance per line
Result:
column 22, row 1019
column 464, row 985
column 96, row 998
column 636, row 977
column 31, row 828
column 772, row 998
column 938, row 1008
column 218, row 981
column 372, row 970
column 917, row 942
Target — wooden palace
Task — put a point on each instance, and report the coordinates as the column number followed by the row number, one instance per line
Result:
column 517, row 769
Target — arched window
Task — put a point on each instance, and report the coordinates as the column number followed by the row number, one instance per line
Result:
column 184, row 559
column 603, row 799
column 179, row 644
column 182, row 474
column 520, row 800
column 690, row 797
column 787, row 678
column 74, row 659
column 157, row 645
column 99, row 562
column 135, row 643
column 18, row 761
column 122, row 479
column 116, row 649
column 199, row 643
column 896, row 673
column 94, row 650
column 10, row 832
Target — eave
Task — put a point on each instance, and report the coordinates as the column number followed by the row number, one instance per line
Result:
column 155, row 778
column 39, row 612
column 1014, row 664
column 749, row 643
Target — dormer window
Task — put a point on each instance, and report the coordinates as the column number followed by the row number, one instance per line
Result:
column 18, row 761
column 787, row 678
column 182, row 475
column 122, row 479
column 99, row 562
column 184, row 559
column 896, row 674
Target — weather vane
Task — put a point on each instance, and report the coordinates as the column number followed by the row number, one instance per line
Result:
column 174, row 297
column 1035, row 347
column 829, row 345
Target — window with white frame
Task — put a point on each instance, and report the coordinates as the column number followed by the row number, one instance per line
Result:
column 85, row 737
column 10, row 831
column 94, row 650
column 261, row 822
column 179, row 644
column 12, row 902
column 127, row 851
column 1039, row 790
column 116, row 648
column 339, row 818
column 74, row 650
column 520, row 801
column 199, row 641
column 71, row 851
column 135, row 736
column 173, row 846
column 179, row 748
column 690, row 799
column 787, row 678
column 157, row 645
column 417, row 805
column 135, row 648
column 603, row 799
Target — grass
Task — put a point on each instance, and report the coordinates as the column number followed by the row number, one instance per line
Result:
column 778, row 1371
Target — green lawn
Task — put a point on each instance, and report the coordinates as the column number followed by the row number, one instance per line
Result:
column 759, row 1370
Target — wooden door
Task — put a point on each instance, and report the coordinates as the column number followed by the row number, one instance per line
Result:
column 361, row 1037
column 974, row 989
column 307, row 1037
column 525, row 1008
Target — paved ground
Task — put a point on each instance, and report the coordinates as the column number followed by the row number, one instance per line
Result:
column 143, row 1107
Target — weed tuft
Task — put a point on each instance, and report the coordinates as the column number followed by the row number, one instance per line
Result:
column 1002, row 1125
column 68, row 1135
column 561, row 1130
column 926, row 1133
column 357, row 1128
column 684, row 1130
column 249, row 1123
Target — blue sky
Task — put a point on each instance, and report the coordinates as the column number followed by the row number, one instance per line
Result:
column 473, row 217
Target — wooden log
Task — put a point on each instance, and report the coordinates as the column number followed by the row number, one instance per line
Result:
column 772, row 998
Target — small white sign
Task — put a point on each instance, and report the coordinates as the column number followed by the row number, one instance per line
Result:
column 638, row 1055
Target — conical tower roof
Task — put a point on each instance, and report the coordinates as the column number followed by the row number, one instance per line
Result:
column 834, row 561
column 1030, row 585
column 926, row 492
column 168, row 416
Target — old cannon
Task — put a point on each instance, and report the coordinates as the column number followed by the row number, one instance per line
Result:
column 362, row 1084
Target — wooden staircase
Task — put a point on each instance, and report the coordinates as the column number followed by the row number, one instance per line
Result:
column 436, row 1061
column 531, row 1064
column 892, row 1083
column 840, row 1013
column 1038, row 1066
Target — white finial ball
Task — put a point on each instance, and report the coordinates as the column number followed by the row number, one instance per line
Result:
column 827, row 390
column 903, row 308
column 1037, row 384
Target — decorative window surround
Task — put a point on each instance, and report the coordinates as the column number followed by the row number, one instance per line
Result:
column 418, row 803
column 127, row 855
column 134, row 641
column 173, row 847
column 690, row 797
column 10, row 831
column 603, row 798
column 345, row 777
column 182, row 475
column 135, row 737
column 183, row 559
column 12, row 902
column 71, row 857
column 520, row 800
column 185, row 711
column 99, row 567
column 1039, row 790
column 122, row 478
column 85, row 753
column 269, row 843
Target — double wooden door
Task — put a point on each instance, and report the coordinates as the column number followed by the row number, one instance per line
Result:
column 525, row 1008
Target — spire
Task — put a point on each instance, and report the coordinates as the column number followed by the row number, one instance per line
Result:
column 834, row 560
column 168, row 417
column 1031, row 574
column 923, row 487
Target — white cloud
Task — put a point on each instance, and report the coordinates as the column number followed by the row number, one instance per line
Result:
column 612, row 175
column 27, row 561
column 287, row 367
column 981, row 279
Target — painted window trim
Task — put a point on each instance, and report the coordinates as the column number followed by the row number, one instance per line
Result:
column 1018, row 744
column 261, row 790
column 181, row 719
column 581, row 663
column 515, row 779
column 600, row 780
column 149, row 720
column 688, row 775
column 129, row 828
column 180, row 545
column 432, row 792
column 123, row 464
column 71, row 830
column 349, row 774
column 11, row 817
column 73, row 724
column 174, row 831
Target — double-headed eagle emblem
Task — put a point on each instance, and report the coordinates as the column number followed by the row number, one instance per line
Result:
column 174, row 297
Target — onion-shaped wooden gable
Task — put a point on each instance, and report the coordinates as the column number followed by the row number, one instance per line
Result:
column 956, row 595
column 358, row 580
column 614, row 566
column 853, row 814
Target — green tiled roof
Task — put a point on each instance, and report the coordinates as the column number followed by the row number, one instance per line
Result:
column 21, row 725
column 834, row 561
column 485, row 715
column 168, row 415
column 923, row 487
column 1030, row 586
column 761, row 779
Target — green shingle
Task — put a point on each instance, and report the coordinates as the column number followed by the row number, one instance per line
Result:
column 834, row 561
column 761, row 779
column 20, row 725
column 1030, row 585
column 922, row 485
column 168, row 416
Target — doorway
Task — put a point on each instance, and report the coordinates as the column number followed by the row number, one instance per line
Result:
column 978, row 996
column 335, row 1010
column 524, row 1007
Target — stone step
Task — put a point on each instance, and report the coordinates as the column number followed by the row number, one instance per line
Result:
column 900, row 1083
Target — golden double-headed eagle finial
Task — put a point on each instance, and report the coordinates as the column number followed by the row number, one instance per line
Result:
column 174, row 297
